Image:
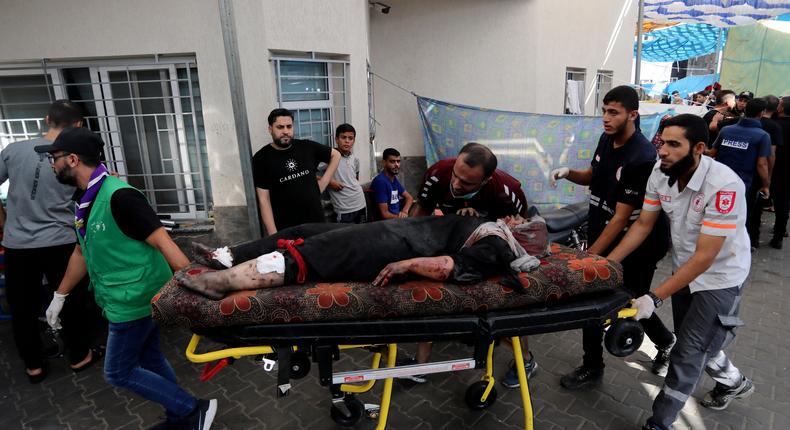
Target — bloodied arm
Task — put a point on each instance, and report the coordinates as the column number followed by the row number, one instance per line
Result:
column 489, row 256
column 436, row 268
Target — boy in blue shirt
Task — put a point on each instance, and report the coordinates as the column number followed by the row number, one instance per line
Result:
column 387, row 190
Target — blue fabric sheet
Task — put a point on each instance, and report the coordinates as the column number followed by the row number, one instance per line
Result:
column 692, row 84
column 528, row 145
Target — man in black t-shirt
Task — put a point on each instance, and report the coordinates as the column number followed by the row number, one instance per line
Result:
column 774, row 131
column 721, row 114
column 617, row 177
column 780, row 180
column 284, row 173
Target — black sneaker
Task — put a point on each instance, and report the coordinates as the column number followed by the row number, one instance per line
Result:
column 661, row 362
column 776, row 243
column 420, row 379
column 203, row 415
column 582, row 377
column 721, row 396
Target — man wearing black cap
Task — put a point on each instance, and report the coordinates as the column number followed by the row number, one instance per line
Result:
column 39, row 239
column 129, row 256
column 740, row 102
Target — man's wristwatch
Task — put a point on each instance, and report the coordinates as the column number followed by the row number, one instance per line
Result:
column 656, row 301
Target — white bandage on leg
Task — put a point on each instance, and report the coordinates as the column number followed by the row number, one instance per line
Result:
column 271, row 262
column 223, row 255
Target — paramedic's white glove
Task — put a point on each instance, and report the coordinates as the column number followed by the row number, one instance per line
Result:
column 53, row 311
column 558, row 174
column 644, row 307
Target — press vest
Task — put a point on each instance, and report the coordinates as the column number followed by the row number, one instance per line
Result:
column 125, row 273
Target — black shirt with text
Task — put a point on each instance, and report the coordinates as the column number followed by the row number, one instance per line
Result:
column 290, row 177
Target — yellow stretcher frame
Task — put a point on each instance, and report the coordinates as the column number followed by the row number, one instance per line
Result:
column 391, row 349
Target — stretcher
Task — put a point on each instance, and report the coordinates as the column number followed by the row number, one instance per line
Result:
column 297, row 325
column 295, row 346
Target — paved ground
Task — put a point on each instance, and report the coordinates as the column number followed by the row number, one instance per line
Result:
column 246, row 392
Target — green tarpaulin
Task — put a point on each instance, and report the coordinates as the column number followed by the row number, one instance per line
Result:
column 757, row 59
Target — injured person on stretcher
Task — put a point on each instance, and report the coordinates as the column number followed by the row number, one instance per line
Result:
column 447, row 248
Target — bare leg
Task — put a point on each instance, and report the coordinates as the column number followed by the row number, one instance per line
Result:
column 216, row 285
column 525, row 348
column 423, row 352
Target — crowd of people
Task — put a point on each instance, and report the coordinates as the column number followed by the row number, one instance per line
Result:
column 750, row 135
column 698, row 189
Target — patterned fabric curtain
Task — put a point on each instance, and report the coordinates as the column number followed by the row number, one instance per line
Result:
column 527, row 145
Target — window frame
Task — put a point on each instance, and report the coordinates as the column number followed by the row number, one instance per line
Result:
column 54, row 82
column 599, row 95
column 570, row 73
column 332, row 92
column 185, row 171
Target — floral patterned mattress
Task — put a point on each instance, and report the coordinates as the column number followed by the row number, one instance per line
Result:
column 565, row 273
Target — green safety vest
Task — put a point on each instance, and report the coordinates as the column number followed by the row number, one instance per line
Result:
column 125, row 273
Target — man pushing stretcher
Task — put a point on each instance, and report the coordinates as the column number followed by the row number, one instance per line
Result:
column 453, row 248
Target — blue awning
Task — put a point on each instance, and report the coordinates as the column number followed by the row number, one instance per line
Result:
column 692, row 84
column 680, row 42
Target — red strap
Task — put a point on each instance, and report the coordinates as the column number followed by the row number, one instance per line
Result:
column 291, row 245
column 209, row 372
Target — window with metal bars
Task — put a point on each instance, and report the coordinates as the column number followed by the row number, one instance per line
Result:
column 603, row 83
column 148, row 111
column 315, row 90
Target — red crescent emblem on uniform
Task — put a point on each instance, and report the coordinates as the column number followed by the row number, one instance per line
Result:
column 725, row 201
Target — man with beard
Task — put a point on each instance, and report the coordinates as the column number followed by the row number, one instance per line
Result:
column 706, row 205
column 470, row 185
column 284, row 173
column 129, row 256
column 38, row 240
column 617, row 178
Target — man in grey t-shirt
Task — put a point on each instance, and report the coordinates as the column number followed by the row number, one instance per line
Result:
column 38, row 234
column 348, row 199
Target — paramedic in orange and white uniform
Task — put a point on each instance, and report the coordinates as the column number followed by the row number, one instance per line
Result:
column 706, row 205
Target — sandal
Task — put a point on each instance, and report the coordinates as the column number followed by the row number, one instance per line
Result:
column 96, row 356
column 36, row 379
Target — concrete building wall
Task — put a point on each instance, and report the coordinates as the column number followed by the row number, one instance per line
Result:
column 337, row 28
column 38, row 29
column 83, row 29
column 500, row 54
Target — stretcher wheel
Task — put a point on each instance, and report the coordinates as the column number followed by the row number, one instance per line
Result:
column 623, row 337
column 354, row 411
column 475, row 392
column 300, row 365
